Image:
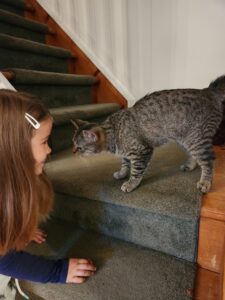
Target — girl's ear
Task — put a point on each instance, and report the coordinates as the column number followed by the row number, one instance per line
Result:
column 78, row 123
column 90, row 136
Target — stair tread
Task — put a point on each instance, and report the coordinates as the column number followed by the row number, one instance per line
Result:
column 7, row 41
column 26, row 76
column 120, row 268
column 18, row 3
column 63, row 114
column 164, row 189
column 20, row 21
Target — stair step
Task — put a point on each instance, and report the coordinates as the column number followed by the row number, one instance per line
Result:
column 161, row 214
column 61, row 137
column 124, row 271
column 85, row 112
column 15, row 25
column 54, row 89
column 15, row 6
column 21, row 53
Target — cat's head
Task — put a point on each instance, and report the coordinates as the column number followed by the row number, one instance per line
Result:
column 88, row 138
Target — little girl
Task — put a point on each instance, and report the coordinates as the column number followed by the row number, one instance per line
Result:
column 26, row 194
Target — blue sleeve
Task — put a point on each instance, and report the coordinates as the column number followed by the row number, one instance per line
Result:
column 22, row 265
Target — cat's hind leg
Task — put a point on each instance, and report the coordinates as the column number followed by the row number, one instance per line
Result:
column 124, row 171
column 205, row 182
column 204, row 155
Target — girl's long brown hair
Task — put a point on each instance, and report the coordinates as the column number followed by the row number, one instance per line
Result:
column 24, row 196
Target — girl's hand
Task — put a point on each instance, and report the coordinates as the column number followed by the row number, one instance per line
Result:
column 39, row 236
column 79, row 270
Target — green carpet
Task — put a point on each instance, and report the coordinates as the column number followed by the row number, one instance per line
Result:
column 18, row 26
column 162, row 213
column 124, row 271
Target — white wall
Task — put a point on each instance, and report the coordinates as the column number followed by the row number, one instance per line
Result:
column 146, row 45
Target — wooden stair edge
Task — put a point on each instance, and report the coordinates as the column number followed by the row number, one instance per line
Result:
column 104, row 91
column 30, row 8
column 51, row 31
column 223, row 281
column 207, row 285
column 211, row 242
column 9, row 75
column 213, row 203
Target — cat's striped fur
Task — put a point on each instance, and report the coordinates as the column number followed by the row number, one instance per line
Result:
column 188, row 116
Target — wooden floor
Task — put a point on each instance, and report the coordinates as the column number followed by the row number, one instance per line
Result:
column 211, row 246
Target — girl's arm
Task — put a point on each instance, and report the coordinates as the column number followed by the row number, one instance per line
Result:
column 22, row 265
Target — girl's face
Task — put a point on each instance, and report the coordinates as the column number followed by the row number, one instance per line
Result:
column 39, row 144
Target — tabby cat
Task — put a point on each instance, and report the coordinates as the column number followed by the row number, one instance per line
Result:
column 188, row 116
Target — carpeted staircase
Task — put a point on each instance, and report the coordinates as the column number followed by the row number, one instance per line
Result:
column 143, row 243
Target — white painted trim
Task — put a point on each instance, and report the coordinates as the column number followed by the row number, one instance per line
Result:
column 5, row 84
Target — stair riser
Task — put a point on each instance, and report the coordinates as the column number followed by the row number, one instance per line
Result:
column 21, row 32
column 162, row 233
column 26, row 60
column 57, row 96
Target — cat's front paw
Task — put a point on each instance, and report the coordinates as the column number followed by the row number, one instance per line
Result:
column 130, row 185
column 126, row 187
column 204, row 186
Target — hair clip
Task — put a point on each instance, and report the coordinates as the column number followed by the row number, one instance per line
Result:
column 32, row 121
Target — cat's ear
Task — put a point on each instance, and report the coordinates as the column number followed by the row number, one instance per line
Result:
column 78, row 123
column 90, row 136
